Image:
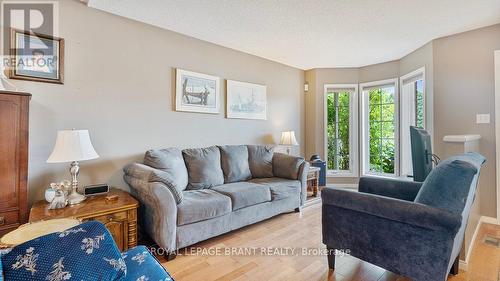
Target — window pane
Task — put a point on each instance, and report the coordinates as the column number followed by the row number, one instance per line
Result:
column 388, row 130
column 388, row 112
column 419, row 103
column 338, row 117
column 382, row 130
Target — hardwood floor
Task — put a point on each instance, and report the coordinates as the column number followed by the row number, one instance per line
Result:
column 294, row 231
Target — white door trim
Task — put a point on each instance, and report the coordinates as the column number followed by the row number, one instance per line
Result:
column 497, row 127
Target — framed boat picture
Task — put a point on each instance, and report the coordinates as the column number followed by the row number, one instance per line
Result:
column 246, row 100
column 197, row 92
column 36, row 57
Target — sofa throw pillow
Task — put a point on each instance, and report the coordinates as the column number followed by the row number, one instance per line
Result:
column 260, row 160
column 286, row 166
column 84, row 252
column 447, row 186
column 171, row 162
column 204, row 167
column 234, row 161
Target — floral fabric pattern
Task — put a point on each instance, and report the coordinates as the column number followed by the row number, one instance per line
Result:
column 74, row 254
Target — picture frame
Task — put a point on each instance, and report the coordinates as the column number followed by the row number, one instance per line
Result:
column 197, row 92
column 41, row 61
column 246, row 100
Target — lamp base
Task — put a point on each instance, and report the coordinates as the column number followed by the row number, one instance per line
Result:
column 75, row 198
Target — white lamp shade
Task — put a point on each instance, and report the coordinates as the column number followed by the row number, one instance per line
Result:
column 288, row 138
column 72, row 145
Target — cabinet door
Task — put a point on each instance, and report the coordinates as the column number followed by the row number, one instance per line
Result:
column 10, row 111
column 117, row 230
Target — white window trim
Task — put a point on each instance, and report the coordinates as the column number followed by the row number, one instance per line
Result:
column 353, row 130
column 365, row 133
column 402, row 79
column 416, row 73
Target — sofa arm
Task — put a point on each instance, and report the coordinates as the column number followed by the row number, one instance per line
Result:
column 303, row 171
column 410, row 213
column 158, row 207
column 400, row 189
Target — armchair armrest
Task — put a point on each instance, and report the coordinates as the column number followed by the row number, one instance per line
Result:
column 400, row 189
column 393, row 209
column 158, row 206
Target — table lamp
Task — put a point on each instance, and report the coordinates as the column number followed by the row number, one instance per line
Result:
column 73, row 146
column 288, row 139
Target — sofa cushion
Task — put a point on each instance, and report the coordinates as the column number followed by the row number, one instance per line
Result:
column 280, row 188
column 204, row 167
column 260, row 160
column 204, row 204
column 142, row 265
column 447, row 186
column 286, row 166
column 60, row 256
column 171, row 162
column 234, row 160
column 244, row 194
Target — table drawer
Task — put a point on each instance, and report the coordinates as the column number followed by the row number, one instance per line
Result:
column 118, row 216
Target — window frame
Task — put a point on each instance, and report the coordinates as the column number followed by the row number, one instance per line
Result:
column 353, row 130
column 365, row 128
column 413, row 75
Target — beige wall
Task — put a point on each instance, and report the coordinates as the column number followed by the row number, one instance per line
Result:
column 119, row 85
column 464, row 86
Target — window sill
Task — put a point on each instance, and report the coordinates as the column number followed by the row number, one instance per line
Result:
column 341, row 174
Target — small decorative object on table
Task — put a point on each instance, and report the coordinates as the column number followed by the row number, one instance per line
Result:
column 73, row 146
column 59, row 201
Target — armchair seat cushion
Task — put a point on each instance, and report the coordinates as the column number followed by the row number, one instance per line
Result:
column 280, row 188
column 141, row 265
column 204, row 204
column 244, row 194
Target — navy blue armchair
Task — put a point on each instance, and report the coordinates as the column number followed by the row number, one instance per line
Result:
column 412, row 229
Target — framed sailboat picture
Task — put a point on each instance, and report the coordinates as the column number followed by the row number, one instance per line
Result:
column 246, row 100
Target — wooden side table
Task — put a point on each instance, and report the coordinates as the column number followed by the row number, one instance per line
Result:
column 119, row 215
column 313, row 180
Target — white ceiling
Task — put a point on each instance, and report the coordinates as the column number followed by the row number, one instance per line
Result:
column 313, row 33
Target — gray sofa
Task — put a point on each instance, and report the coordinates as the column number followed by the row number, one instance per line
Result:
column 191, row 195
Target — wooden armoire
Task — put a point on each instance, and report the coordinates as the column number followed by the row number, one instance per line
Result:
column 14, row 128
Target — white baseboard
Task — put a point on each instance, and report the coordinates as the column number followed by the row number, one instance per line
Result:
column 462, row 265
column 482, row 219
column 343, row 185
column 490, row 220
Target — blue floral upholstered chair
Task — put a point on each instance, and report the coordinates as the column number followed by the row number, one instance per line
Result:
column 84, row 252
column 412, row 229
